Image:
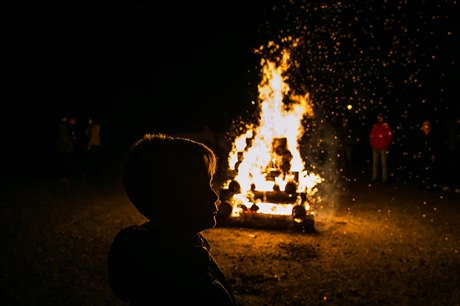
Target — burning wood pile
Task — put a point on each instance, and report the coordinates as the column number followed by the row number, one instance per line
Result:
column 267, row 183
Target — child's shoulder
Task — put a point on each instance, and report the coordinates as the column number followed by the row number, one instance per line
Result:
column 131, row 234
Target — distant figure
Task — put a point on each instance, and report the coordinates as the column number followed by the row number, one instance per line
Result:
column 166, row 261
column 380, row 139
column 426, row 149
column 66, row 146
column 93, row 147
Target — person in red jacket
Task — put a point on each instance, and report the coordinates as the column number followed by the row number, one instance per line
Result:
column 380, row 139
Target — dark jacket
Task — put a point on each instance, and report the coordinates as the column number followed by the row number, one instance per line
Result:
column 425, row 148
column 144, row 268
column 66, row 138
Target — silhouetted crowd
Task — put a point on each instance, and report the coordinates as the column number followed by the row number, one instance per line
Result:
column 78, row 147
column 428, row 155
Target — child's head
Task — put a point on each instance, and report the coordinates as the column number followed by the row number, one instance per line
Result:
column 169, row 180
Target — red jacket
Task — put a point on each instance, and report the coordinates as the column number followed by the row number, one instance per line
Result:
column 381, row 136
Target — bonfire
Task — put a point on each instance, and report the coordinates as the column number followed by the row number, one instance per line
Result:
column 267, row 182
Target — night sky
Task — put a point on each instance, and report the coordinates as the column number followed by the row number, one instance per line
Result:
column 144, row 66
column 138, row 57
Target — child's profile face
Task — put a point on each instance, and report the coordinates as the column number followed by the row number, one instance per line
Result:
column 200, row 208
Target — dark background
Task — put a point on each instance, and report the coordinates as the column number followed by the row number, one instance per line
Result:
column 144, row 66
column 138, row 66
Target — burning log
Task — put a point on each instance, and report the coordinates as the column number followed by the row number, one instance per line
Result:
column 234, row 187
column 299, row 213
column 281, row 158
column 251, row 214
column 301, row 222
column 290, row 188
column 274, row 196
column 225, row 210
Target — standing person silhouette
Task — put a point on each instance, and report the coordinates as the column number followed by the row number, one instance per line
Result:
column 380, row 139
column 426, row 150
column 66, row 146
column 93, row 148
column 166, row 261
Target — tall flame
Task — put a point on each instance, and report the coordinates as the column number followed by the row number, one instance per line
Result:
column 252, row 152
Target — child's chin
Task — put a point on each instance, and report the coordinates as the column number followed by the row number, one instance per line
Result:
column 211, row 224
column 204, row 225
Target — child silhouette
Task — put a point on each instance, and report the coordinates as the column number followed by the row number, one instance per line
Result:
column 166, row 260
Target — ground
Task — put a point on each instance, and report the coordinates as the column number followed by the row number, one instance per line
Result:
column 381, row 244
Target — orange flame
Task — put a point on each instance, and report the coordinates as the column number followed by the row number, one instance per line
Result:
column 252, row 156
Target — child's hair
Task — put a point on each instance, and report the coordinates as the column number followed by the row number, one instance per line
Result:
column 158, row 165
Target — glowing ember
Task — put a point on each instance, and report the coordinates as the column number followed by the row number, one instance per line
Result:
column 267, row 171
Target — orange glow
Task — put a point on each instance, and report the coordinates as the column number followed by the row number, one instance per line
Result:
column 267, row 157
